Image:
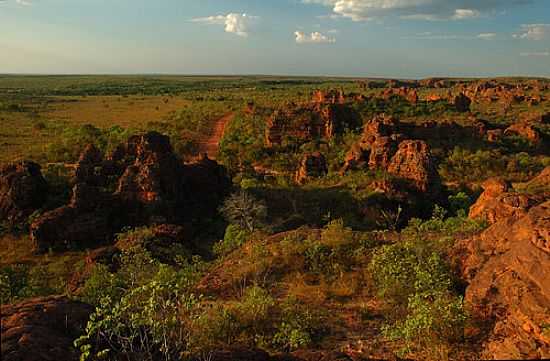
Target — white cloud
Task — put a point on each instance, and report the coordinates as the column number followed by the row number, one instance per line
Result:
column 487, row 36
column 534, row 32
column 461, row 14
column 431, row 36
column 24, row 2
column 360, row 10
column 234, row 23
column 315, row 37
column 536, row 54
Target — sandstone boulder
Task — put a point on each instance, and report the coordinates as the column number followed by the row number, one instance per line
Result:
column 525, row 130
column 498, row 201
column 42, row 329
column 462, row 103
column 23, row 190
column 507, row 269
column 413, row 162
column 381, row 151
column 313, row 165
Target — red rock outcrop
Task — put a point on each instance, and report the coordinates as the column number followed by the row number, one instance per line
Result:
column 321, row 119
column 494, row 135
column 525, row 130
column 313, row 165
column 413, row 161
column 360, row 153
column 42, row 329
column 23, row 190
column 462, row 103
column 404, row 92
column 154, row 187
column 381, row 152
column 507, row 268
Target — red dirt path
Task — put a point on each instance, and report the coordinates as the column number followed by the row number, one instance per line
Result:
column 210, row 145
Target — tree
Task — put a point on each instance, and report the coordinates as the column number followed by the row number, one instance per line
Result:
column 244, row 210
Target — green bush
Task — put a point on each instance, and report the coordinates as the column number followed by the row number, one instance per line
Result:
column 234, row 237
column 21, row 281
column 298, row 327
column 149, row 321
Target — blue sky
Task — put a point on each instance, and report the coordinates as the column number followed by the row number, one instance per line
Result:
column 390, row 38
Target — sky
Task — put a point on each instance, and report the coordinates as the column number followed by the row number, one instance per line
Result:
column 358, row 38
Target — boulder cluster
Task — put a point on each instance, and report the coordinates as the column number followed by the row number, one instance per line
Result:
column 141, row 182
column 382, row 146
column 328, row 113
column 507, row 269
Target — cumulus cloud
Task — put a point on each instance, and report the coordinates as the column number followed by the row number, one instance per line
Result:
column 315, row 37
column 359, row 10
column 235, row 23
column 534, row 32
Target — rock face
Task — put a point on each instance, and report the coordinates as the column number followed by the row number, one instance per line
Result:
column 498, row 201
column 313, row 165
column 525, row 130
column 462, row 103
column 360, row 154
column 413, row 161
column 22, row 191
column 507, row 269
column 152, row 186
column 328, row 114
column 42, row 329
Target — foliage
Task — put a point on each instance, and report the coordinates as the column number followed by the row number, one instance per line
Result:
column 413, row 275
column 299, row 326
column 146, row 322
column 73, row 140
column 21, row 281
column 464, row 165
column 234, row 237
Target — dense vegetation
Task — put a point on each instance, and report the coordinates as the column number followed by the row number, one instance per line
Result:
column 296, row 266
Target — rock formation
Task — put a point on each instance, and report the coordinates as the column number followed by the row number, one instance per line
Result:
column 462, row 103
column 152, row 186
column 507, row 269
column 525, row 130
column 413, row 162
column 23, row 190
column 42, row 329
column 327, row 115
column 498, row 201
column 313, row 165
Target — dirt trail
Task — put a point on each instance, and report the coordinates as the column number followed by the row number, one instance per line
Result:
column 210, row 144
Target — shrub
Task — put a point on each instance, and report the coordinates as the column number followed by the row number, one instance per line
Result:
column 234, row 237
column 298, row 327
column 149, row 321
column 101, row 284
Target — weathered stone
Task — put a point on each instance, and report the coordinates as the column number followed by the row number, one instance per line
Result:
column 42, row 329
column 462, row 103
column 23, row 190
column 413, row 161
column 507, row 269
column 313, row 165
column 525, row 130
